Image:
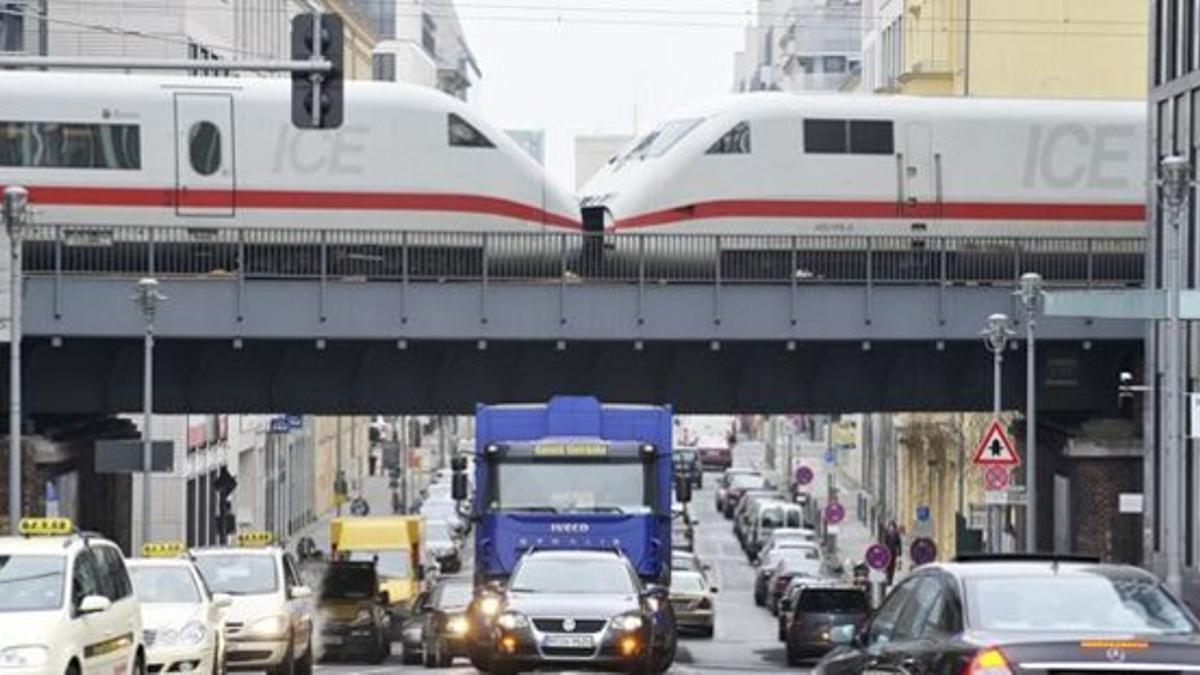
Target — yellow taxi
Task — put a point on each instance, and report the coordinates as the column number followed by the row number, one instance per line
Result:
column 269, row 623
column 183, row 622
column 67, row 604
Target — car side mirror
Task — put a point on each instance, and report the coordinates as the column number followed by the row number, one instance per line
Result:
column 94, row 604
column 843, row 636
column 222, row 600
column 300, row 593
column 458, row 486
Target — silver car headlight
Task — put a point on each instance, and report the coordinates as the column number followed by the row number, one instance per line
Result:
column 628, row 622
column 193, row 633
column 271, row 628
column 512, row 621
column 24, row 656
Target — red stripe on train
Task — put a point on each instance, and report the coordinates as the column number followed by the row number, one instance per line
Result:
column 280, row 199
column 885, row 210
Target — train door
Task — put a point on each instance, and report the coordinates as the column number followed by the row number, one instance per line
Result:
column 920, row 174
column 204, row 162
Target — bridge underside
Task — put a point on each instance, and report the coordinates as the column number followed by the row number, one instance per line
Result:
column 102, row 376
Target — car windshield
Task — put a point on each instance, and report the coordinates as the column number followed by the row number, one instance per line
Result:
column 390, row 564
column 31, row 582
column 164, row 585
column 833, row 601
column 453, row 595
column 747, row 480
column 797, row 554
column 570, row 486
column 1089, row 602
column 239, row 574
column 349, row 582
column 573, row 576
column 688, row 583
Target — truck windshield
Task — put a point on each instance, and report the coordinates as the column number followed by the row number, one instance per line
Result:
column 390, row 564
column 570, row 486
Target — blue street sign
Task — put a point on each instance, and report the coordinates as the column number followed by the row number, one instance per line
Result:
column 829, row 456
column 294, row 421
column 279, row 425
column 923, row 513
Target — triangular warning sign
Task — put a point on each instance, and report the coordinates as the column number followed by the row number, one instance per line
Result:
column 996, row 449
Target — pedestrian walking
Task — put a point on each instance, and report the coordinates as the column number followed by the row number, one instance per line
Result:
column 892, row 540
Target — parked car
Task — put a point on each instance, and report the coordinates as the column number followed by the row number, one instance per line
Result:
column 444, row 624
column 1026, row 614
column 741, row 483
column 799, row 557
column 715, row 453
column 786, row 537
column 770, row 516
column 743, row 512
column 686, row 561
column 725, row 481
column 814, row 611
column 412, row 638
column 444, row 545
column 692, row 601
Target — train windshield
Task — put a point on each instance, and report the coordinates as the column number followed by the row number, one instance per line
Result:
column 662, row 139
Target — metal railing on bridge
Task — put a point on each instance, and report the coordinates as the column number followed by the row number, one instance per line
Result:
column 272, row 253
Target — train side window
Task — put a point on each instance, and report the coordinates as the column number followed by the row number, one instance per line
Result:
column 826, row 137
column 736, row 141
column 204, row 148
column 871, row 137
column 463, row 135
column 69, row 145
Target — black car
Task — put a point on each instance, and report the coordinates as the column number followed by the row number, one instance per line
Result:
column 354, row 617
column 412, row 638
column 582, row 609
column 444, row 628
column 1022, row 614
column 444, row 545
column 812, row 612
column 687, row 467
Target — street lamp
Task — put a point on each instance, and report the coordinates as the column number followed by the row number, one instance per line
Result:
column 1175, row 180
column 147, row 298
column 16, row 201
column 995, row 337
column 1030, row 294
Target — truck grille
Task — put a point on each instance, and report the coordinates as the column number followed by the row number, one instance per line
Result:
column 581, row 625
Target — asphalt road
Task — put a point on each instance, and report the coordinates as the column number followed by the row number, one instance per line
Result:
column 745, row 634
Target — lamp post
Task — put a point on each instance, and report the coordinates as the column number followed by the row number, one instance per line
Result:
column 1030, row 294
column 16, row 201
column 1175, row 179
column 995, row 337
column 147, row 298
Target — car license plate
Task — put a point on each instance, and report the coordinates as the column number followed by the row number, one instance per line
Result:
column 570, row 641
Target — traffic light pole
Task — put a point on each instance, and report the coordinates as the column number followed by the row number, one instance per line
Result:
column 15, row 201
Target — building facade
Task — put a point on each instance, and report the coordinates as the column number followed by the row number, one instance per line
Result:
column 1015, row 48
column 801, row 45
column 422, row 42
column 1174, row 104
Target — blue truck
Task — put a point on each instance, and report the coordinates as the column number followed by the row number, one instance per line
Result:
column 573, row 473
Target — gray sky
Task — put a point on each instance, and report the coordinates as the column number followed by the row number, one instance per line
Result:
column 594, row 66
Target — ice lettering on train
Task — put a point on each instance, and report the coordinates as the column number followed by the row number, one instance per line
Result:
column 1073, row 155
column 307, row 152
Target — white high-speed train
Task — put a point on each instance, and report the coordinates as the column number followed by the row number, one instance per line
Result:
column 783, row 164
column 165, row 150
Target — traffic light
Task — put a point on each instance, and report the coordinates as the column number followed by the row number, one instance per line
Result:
column 329, row 46
column 226, row 522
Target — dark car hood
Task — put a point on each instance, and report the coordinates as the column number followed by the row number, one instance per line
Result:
column 572, row 605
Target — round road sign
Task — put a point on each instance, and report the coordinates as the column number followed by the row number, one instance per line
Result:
column 804, row 475
column 834, row 513
column 923, row 551
column 996, row 478
column 878, row 557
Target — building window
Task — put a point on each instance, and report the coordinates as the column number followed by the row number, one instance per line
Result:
column 70, row 146
column 383, row 67
column 429, row 35
column 463, row 135
column 833, row 64
column 736, row 141
column 12, row 27
column 204, row 149
column 855, row 137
